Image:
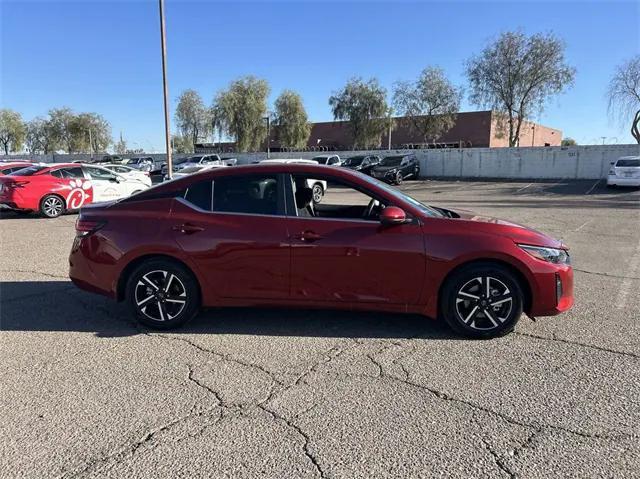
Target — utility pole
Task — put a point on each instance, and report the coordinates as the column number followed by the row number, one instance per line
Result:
column 90, row 144
column 167, row 131
column 268, row 135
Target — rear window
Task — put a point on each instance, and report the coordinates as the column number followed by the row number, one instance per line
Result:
column 629, row 162
column 256, row 195
column 29, row 171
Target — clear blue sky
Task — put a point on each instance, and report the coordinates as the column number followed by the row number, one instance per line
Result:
column 105, row 57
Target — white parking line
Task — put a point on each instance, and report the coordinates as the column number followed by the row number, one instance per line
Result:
column 524, row 188
column 582, row 225
column 634, row 263
column 593, row 187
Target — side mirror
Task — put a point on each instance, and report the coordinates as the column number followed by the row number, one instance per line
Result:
column 392, row 215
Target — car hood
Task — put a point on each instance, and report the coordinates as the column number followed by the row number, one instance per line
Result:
column 518, row 233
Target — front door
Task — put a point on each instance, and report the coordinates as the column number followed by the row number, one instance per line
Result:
column 106, row 186
column 235, row 231
column 341, row 252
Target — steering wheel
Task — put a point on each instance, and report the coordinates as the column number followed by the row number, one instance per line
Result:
column 368, row 212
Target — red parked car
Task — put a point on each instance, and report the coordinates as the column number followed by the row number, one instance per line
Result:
column 55, row 188
column 252, row 236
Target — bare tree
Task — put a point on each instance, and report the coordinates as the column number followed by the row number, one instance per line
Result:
column 624, row 94
column 429, row 105
column 516, row 75
column 364, row 105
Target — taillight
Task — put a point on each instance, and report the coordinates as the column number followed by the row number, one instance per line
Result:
column 612, row 171
column 15, row 184
column 86, row 227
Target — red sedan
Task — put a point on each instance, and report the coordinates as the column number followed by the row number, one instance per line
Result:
column 253, row 236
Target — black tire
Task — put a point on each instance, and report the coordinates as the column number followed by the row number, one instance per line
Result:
column 611, row 186
column 177, row 303
column 477, row 317
column 398, row 179
column 52, row 206
column 318, row 193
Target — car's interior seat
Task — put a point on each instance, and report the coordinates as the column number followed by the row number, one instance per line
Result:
column 304, row 201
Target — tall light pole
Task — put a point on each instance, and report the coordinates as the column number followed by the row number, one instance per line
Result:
column 90, row 144
column 268, row 120
column 167, row 132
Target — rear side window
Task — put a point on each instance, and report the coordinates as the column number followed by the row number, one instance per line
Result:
column 199, row 194
column 29, row 171
column 68, row 173
column 256, row 194
column 630, row 162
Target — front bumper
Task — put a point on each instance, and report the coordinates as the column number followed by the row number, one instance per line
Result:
column 555, row 291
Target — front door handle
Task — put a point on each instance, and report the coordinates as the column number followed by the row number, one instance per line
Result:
column 188, row 228
column 308, row 236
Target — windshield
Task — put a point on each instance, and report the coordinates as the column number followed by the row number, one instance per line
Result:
column 391, row 161
column 28, row 171
column 354, row 161
column 629, row 162
column 396, row 193
column 321, row 159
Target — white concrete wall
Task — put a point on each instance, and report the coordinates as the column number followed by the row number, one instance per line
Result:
column 577, row 162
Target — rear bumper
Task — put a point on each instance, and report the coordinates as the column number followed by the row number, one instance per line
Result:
column 618, row 181
column 82, row 271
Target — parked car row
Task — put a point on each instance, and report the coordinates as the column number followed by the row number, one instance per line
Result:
column 52, row 189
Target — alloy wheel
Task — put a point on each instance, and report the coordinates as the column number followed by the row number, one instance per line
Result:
column 160, row 295
column 317, row 194
column 484, row 303
column 52, row 206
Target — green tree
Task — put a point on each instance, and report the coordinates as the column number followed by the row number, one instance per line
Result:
column 12, row 130
column 364, row 106
column 72, row 131
column 624, row 94
column 191, row 116
column 568, row 142
column 291, row 118
column 428, row 105
column 240, row 110
column 40, row 138
column 91, row 126
column 516, row 75
column 181, row 144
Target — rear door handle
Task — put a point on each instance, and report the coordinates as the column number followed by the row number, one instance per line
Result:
column 308, row 236
column 188, row 228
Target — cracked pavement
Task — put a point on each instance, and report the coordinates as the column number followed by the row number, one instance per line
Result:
column 296, row 393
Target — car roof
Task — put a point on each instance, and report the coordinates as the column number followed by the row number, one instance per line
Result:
column 629, row 158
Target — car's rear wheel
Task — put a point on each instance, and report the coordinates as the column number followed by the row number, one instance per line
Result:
column 482, row 301
column 318, row 193
column 52, row 206
column 163, row 294
column 398, row 179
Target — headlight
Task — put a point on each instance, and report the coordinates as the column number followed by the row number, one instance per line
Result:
column 550, row 255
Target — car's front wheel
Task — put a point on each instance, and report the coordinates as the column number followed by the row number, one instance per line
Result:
column 398, row 178
column 482, row 301
column 52, row 206
column 162, row 294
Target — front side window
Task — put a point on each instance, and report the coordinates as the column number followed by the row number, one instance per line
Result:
column 340, row 200
column 99, row 173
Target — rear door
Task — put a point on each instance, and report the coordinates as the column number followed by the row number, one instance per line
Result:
column 235, row 231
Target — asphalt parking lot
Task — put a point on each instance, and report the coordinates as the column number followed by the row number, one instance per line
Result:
column 294, row 393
